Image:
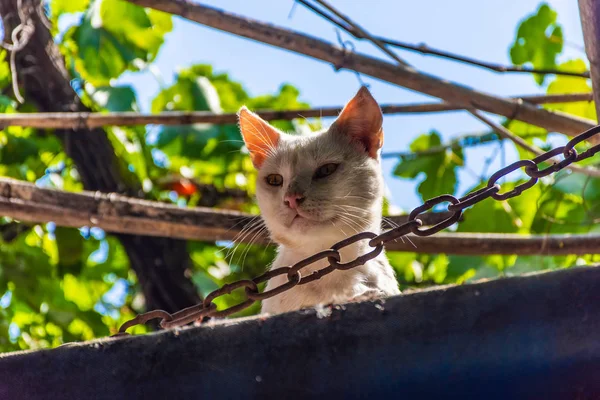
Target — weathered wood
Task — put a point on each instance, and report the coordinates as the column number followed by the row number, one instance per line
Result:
column 426, row 50
column 533, row 337
column 519, row 141
column 397, row 74
column 589, row 11
column 500, row 243
column 76, row 120
column 120, row 214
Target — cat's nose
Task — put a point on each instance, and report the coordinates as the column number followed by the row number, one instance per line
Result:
column 293, row 200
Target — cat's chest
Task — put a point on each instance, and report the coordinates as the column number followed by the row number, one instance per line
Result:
column 338, row 280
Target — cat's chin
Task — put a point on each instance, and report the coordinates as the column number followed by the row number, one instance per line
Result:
column 301, row 222
column 305, row 223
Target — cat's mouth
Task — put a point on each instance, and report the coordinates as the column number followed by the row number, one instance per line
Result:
column 302, row 219
column 299, row 218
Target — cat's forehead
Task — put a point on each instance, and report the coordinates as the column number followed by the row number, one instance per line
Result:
column 299, row 151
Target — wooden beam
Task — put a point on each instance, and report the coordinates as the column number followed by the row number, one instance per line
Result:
column 79, row 120
column 589, row 11
column 531, row 337
column 397, row 74
column 120, row 214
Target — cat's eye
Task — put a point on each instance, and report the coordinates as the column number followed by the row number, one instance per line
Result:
column 325, row 170
column 274, row 180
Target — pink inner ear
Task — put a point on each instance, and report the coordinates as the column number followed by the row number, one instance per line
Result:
column 362, row 120
column 260, row 137
column 369, row 144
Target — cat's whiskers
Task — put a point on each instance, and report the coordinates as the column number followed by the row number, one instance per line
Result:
column 232, row 258
column 409, row 241
column 249, row 244
column 340, row 229
column 240, row 237
column 348, row 196
column 246, row 226
column 268, row 244
column 360, row 213
column 394, row 225
column 360, row 222
column 349, row 221
column 390, row 222
column 360, row 209
column 238, row 240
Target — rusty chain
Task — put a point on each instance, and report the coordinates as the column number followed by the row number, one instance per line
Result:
column 294, row 275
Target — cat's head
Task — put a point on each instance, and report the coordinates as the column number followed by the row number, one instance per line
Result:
column 323, row 186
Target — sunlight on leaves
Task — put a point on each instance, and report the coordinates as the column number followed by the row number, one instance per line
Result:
column 538, row 42
column 107, row 44
column 438, row 170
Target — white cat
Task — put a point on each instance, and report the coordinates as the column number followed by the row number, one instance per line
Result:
column 316, row 190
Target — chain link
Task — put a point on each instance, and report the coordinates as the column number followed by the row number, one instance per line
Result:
column 376, row 242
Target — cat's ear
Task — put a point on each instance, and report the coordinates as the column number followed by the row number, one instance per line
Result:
column 362, row 120
column 260, row 137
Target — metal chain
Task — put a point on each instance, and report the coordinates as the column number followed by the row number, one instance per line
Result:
column 376, row 242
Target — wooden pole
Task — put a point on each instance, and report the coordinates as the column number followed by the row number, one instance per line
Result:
column 589, row 11
column 120, row 214
column 78, row 120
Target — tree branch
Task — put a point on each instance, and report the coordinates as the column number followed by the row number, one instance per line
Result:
column 76, row 120
column 120, row 214
column 426, row 50
column 470, row 140
column 396, row 74
column 117, row 213
column 505, row 133
column 355, row 28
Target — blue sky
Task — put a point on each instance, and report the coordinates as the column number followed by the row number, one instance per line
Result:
column 481, row 29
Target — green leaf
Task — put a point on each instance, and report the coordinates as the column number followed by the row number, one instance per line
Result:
column 538, row 42
column 439, row 168
column 527, row 131
column 15, row 149
column 60, row 7
column 115, row 36
column 585, row 187
column 461, row 268
column 488, row 216
column 564, row 213
column 192, row 91
column 189, row 93
column 568, row 84
column 129, row 147
column 5, row 77
column 70, row 250
column 115, row 98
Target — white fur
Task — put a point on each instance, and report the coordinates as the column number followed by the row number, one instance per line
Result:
column 347, row 202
